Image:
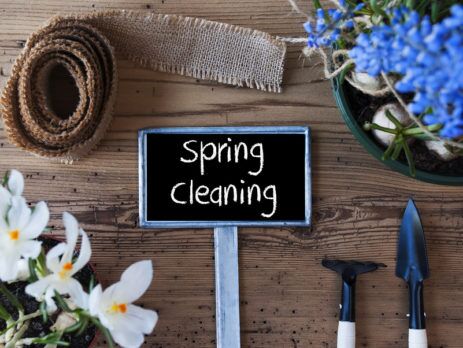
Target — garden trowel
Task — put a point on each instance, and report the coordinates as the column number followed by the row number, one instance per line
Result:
column 349, row 270
column 412, row 266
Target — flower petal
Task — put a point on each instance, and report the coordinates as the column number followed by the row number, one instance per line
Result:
column 38, row 288
column 23, row 270
column 84, row 254
column 19, row 213
column 53, row 262
column 37, row 222
column 97, row 307
column 5, row 200
column 30, row 249
column 143, row 319
column 9, row 266
column 128, row 339
column 95, row 300
column 15, row 183
column 49, row 299
column 134, row 282
column 72, row 233
column 77, row 293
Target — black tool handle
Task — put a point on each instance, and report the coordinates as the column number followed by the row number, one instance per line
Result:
column 417, row 317
column 347, row 312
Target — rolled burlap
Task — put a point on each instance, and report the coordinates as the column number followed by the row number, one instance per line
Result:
column 85, row 46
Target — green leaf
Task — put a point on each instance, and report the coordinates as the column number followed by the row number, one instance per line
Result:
column 75, row 327
column 410, row 4
column 11, row 298
column 41, row 264
column 91, row 285
column 397, row 151
column 33, row 273
column 381, row 128
column 52, row 338
column 435, row 11
column 422, row 7
column 352, row 3
column 409, row 156
column 43, row 310
column 62, row 303
column 344, row 72
column 4, row 313
column 389, row 151
column 5, row 179
column 83, row 327
column 377, row 8
column 317, row 4
column 394, row 120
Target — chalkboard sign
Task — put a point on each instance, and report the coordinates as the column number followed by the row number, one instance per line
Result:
column 224, row 176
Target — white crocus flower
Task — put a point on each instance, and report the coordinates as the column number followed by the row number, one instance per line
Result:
column 19, row 226
column 126, row 322
column 62, row 267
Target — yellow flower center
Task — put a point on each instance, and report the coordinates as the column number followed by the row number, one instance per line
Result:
column 14, row 235
column 67, row 267
column 119, row 308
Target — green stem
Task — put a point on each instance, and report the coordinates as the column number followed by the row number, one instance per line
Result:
column 419, row 131
column 388, row 151
column 4, row 313
column 18, row 335
column 394, row 120
column 397, row 151
column 20, row 320
column 381, row 128
column 104, row 330
column 409, row 156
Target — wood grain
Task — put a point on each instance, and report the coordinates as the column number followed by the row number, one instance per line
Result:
column 287, row 299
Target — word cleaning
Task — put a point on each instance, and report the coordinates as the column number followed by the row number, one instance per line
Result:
column 208, row 154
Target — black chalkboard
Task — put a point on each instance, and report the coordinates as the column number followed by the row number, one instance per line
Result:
column 217, row 176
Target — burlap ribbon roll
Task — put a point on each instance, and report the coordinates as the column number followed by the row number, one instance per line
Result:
column 85, row 46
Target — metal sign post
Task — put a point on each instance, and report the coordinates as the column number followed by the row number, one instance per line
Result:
column 227, row 287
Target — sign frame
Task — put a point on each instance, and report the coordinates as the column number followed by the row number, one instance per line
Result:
column 276, row 130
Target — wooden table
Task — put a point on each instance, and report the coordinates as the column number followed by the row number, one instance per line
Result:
column 287, row 298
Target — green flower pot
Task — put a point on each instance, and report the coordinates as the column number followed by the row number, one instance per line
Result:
column 376, row 150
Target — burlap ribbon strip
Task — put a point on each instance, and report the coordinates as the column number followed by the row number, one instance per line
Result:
column 85, row 46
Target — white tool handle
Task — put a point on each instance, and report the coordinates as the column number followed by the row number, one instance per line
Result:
column 346, row 334
column 417, row 338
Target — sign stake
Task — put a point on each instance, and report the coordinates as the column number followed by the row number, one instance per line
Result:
column 227, row 287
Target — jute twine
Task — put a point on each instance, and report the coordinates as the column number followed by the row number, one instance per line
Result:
column 85, row 45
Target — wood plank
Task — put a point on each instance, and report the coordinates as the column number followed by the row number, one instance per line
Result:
column 287, row 298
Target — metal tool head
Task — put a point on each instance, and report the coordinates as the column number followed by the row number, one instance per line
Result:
column 412, row 258
column 349, row 270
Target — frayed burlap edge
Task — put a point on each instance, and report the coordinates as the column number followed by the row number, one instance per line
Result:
column 271, row 50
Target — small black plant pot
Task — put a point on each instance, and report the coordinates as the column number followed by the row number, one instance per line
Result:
column 342, row 97
column 37, row 327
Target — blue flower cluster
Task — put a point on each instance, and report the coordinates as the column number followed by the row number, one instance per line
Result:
column 329, row 24
column 428, row 56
